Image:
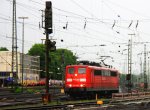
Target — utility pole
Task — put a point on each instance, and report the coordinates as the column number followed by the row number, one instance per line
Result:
column 145, row 75
column 62, row 66
column 13, row 75
column 23, row 18
column 48, row 24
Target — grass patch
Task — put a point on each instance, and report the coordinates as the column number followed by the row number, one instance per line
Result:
column 17, row 89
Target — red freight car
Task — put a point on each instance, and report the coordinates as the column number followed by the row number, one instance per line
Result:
column 90, row 80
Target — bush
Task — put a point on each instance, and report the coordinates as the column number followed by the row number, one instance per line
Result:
column 17, row 90
column 30, row 91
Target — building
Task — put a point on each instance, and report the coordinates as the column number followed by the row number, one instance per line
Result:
column 31, row 71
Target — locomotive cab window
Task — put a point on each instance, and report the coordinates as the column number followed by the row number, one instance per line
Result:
column 71, row 70
column 113, row 73
column 81, row 70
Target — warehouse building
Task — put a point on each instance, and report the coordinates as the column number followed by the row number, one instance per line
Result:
column 31, row 68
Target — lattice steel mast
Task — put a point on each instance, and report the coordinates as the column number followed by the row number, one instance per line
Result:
column 145, row 75
column 129, row 64
column 14, row 67
column 129, row 76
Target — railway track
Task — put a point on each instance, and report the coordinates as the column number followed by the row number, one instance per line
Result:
column 6, row 93
column 17, row 96
column 116, row 97
column 58, row 107
column 34, row 102
column 90, row 105
column 86, row 106
column 13, row 99
column 19, row 100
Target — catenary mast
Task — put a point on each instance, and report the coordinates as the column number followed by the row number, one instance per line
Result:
column 14, row 66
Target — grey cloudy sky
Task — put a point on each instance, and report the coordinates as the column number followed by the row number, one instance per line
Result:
column 90, row 23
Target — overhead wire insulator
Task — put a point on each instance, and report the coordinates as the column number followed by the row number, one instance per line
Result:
column 130, row 24
column 85, row 23
column 67, row 25
column 114, row 24
column 117, row 32
column 137, row 24
column 39, row 25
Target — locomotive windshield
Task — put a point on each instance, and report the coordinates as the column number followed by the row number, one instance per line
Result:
column 71, row 70
column 81, row 70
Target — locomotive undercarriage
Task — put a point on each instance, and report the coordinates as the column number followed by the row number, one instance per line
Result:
column 89, row 93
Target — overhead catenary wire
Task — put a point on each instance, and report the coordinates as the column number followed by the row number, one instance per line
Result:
column 111, row 9
column 127, row 9
column 74, row 14
column 81, row 15
column 91, row 29
column 109, row 23
column 82, row 7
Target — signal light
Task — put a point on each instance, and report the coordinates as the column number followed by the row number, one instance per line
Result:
column 145, row 85
column 48, row 17
column 128, row 77
column 51, row 45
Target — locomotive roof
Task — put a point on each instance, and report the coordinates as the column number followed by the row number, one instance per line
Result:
column 95, row 67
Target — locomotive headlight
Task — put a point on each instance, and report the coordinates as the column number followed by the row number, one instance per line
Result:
column 82, row 85
column 82, row 80
column 70, row 85
column 69, row 80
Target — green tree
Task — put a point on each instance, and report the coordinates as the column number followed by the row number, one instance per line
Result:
column 58, row 60
column 3, row 49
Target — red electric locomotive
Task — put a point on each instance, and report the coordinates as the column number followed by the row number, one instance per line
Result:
column 91, row 80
